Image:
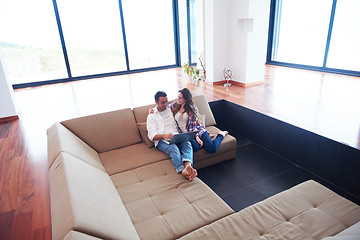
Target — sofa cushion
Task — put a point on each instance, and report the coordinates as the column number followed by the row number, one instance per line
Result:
column 130, row 157
column 226, row 151
column 306, row 211
column 106, row 131
column 141, row 113
column 350, row 233
column 144, row 134
column 84, row 199
column 60, row 139
column 165, row 205
column 203, row 106
column 74, row 235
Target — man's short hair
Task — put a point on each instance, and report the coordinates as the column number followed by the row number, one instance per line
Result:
column 159, row 94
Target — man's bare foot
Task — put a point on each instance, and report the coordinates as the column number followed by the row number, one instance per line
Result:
column 193, row 175
column 224, row 133
column 189, row 172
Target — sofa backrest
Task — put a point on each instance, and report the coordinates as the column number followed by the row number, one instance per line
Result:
column 141, row 113
column 106, row 131
column 60, row 139
column 200, row 102
column 203, row 106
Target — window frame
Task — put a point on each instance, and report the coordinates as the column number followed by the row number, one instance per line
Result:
column 273, row 33
column 71, row 78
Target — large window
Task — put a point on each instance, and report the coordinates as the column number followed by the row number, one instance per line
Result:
column 149, row 30
column 318, row 35
column 344, row 49
column 93, row 36
column 193, row 7
column 29, row 41
column 50, row 41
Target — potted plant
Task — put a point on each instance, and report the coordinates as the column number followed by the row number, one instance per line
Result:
column 192, row 71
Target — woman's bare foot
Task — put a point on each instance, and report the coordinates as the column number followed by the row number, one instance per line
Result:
column 224, row 133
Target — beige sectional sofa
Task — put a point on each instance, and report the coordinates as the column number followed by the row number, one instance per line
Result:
column 108, row 182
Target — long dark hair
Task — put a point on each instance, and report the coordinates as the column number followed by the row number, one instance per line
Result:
column 189, row 105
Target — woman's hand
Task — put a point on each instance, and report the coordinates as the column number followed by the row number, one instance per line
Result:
column 198, row 140
column 151, row 111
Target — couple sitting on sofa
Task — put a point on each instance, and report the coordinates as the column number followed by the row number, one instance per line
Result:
column 182, row 115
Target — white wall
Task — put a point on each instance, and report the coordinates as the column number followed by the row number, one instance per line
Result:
column 7, row 100
column 236, row 37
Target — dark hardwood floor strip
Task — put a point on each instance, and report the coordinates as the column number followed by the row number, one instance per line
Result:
column 9, row 119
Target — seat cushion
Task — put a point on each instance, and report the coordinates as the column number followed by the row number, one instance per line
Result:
column 165, row 205
column 350, row 233
column 306, row 211
column 226, row 151
column 130, row 157
column 84, row 199
column 73, row 235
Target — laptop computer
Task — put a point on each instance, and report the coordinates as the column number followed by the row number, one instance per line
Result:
column 182, row 137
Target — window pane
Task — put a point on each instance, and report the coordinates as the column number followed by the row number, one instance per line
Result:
column 183, row 30
column 30, row 42
column 193, row 30
column 93, row 36
column 303, row 31
column 149, row 33
column 344, row 49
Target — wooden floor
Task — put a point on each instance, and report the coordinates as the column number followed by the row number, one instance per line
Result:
column 326, row 104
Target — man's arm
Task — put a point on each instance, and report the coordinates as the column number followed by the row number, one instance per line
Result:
column 153, row 130
column 163, row 136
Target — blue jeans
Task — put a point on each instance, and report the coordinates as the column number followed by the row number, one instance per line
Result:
column 179, row 153
column 210, row 146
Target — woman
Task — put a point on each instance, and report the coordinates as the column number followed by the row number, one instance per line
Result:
column 187, row 116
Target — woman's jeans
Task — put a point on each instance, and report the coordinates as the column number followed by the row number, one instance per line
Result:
column 179, row 153
column 209, row 146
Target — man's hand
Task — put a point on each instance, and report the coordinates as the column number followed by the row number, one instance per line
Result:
column 168, row 136
column 163, row 136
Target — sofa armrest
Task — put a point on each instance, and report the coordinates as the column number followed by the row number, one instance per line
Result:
column 84, row 199
column 60, row 139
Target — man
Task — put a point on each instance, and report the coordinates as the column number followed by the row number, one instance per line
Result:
column 161, row 127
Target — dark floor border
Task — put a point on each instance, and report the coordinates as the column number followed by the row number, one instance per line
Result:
column 335, row 162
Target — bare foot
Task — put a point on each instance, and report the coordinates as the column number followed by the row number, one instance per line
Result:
column 187, row 171
column 193, row 175
column 211, row 135
column 224, row 133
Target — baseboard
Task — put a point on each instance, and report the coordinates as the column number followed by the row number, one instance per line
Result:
column 238, row 83
column 8, row 119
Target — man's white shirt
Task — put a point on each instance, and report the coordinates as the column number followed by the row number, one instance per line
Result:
column 160, row 123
